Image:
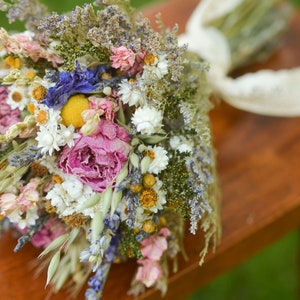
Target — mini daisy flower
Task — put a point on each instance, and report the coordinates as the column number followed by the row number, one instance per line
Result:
column 38, row 90
column 153, row 199
column 159, row 159
column 17, row 97
column 156, row 67
column 131, row 92
column 52, row 134
column 47, row 140
column 67, row 135
column 147, row 120
column 47, row 117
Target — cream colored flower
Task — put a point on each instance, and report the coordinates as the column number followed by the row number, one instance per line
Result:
column 147, row 120
column 131, row 93
column 159, row 159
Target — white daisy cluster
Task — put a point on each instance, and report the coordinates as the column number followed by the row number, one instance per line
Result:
column 69, row 196
column 52, row 134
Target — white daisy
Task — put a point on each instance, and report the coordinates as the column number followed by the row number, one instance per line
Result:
column 159, row 159
column 38, row 88
column 153, row 199
column 17, row 97
column 52, row 134
column 131, row 93
column 147, row 120
column 158, row 69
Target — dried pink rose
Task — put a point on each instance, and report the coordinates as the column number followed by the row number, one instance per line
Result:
column 123, row 58
column 8, row 116
column 149, row 272
column 97, row 159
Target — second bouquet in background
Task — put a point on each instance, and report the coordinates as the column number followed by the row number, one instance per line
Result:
column 106, row 148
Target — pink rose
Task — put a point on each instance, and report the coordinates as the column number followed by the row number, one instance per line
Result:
column 97, row 159
column 123, row 58
column 149, row 273
column 155, row 245
column 8, row 116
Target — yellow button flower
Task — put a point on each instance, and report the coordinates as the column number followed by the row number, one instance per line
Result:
column 71, row 111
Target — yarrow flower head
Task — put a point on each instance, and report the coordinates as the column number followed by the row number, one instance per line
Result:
column 123, row 58
column 105, row 144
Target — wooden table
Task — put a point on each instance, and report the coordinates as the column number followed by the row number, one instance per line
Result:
column 259, row 169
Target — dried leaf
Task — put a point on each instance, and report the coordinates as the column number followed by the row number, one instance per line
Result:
column 97, row 225
column 145, row 163
column 55, row 244
column 53, row 265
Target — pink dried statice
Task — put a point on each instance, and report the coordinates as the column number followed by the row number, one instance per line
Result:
column 22, row 209
column 128, row 61
column 150, row 271
column 155, row 245
column 24, row 45
column 123, row 58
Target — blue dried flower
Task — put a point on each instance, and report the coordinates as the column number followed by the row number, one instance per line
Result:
column 91, row 294
column 71, row 83
column 113, row 222
column 112, row 251
column 96, row 283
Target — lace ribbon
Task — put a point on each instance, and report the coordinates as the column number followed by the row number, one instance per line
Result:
column 268, row 92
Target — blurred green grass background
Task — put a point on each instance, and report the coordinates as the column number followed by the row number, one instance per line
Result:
column 271, row 274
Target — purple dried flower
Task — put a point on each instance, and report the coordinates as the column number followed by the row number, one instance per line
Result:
column 71, row 83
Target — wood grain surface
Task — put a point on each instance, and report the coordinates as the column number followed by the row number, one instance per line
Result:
column 259, row 170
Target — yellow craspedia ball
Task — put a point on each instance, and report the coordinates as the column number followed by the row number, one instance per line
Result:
column 71, row 111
